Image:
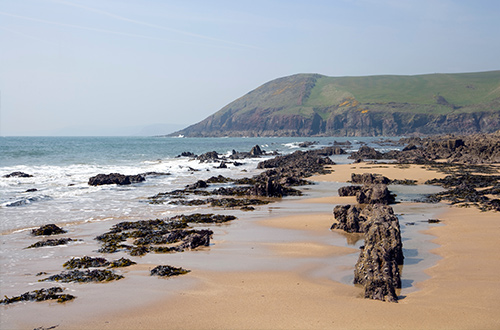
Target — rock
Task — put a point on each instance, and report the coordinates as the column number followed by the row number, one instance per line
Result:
column 374, row 194
column 115, row 178
column 50, row 229
column 256, row 151
column 165, row 270
column 187, row 154
column 95, row 275
column 199, row 184
column 51, row 242
column 85, row 262
column 377, row 266
column 349, row 191
column 349, row 219
column 366, row 152
column 210, row 156
column 31, row 190
column 53, row 293
column 369, row 178
column 18, row 175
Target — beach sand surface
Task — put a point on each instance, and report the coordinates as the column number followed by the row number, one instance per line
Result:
column 463, row 291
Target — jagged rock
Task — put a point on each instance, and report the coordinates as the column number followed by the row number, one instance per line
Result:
column 50, row 229
column 349, row 190
column 369, row 178
column 256, row 151
column 210, row 156
column 18, row 175
column 187, row 154
column 366, row 152
column 374, row 194
column 349, row 219
column 377, row 266
column 115, row 178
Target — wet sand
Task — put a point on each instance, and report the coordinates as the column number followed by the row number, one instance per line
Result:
column 461, row 293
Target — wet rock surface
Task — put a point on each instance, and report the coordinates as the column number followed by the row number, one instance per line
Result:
column 94, row 275
column 115, row 178
column 377, row 266
column 18, row 174
column 369, row 178
column 50, row 229
column 54, row 293
column 160, row 236
column 168, row 271
column 51, row 242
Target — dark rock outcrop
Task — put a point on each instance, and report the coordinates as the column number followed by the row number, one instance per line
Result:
column 53, row 293
column 369, row 178
column 50, row 229
column 377, row 266
column 375, row 194
column 18, row 175
column 167, row 271
column 349, row 218
column 349, row 191
column 366, row 152
column 115, row 178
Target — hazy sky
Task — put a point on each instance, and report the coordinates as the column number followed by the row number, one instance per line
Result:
column 72, row 66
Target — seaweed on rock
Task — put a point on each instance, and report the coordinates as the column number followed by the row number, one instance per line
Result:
column 51, row 242
column 167, row 271
column 53, row 293
column 50, row 229
column 95, row 275
column 86, row 262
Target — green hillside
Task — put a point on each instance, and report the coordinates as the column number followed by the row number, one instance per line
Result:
column 313, row 104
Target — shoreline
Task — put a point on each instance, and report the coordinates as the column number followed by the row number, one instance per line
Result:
column 460, row 293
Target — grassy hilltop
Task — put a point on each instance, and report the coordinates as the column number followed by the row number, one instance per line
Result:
column 313, row 104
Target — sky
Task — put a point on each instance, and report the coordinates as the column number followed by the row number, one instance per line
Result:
column 127, row 67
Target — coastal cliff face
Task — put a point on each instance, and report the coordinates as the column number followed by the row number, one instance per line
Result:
column 316, row 105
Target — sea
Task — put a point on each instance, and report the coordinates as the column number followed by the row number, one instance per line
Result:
column 61, row 168
column 58, row 192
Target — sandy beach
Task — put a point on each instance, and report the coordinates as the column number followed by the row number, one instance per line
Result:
column 461, row 293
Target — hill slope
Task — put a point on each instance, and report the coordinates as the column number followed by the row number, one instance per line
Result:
column 313, row 104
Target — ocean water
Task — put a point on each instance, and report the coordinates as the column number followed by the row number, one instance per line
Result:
column 62, row 166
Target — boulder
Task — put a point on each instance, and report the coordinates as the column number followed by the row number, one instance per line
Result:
column 115, row 178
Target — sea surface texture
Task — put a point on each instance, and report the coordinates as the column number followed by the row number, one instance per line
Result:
column 61, row 167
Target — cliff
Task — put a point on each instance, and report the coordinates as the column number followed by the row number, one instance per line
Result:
column 317, row 105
